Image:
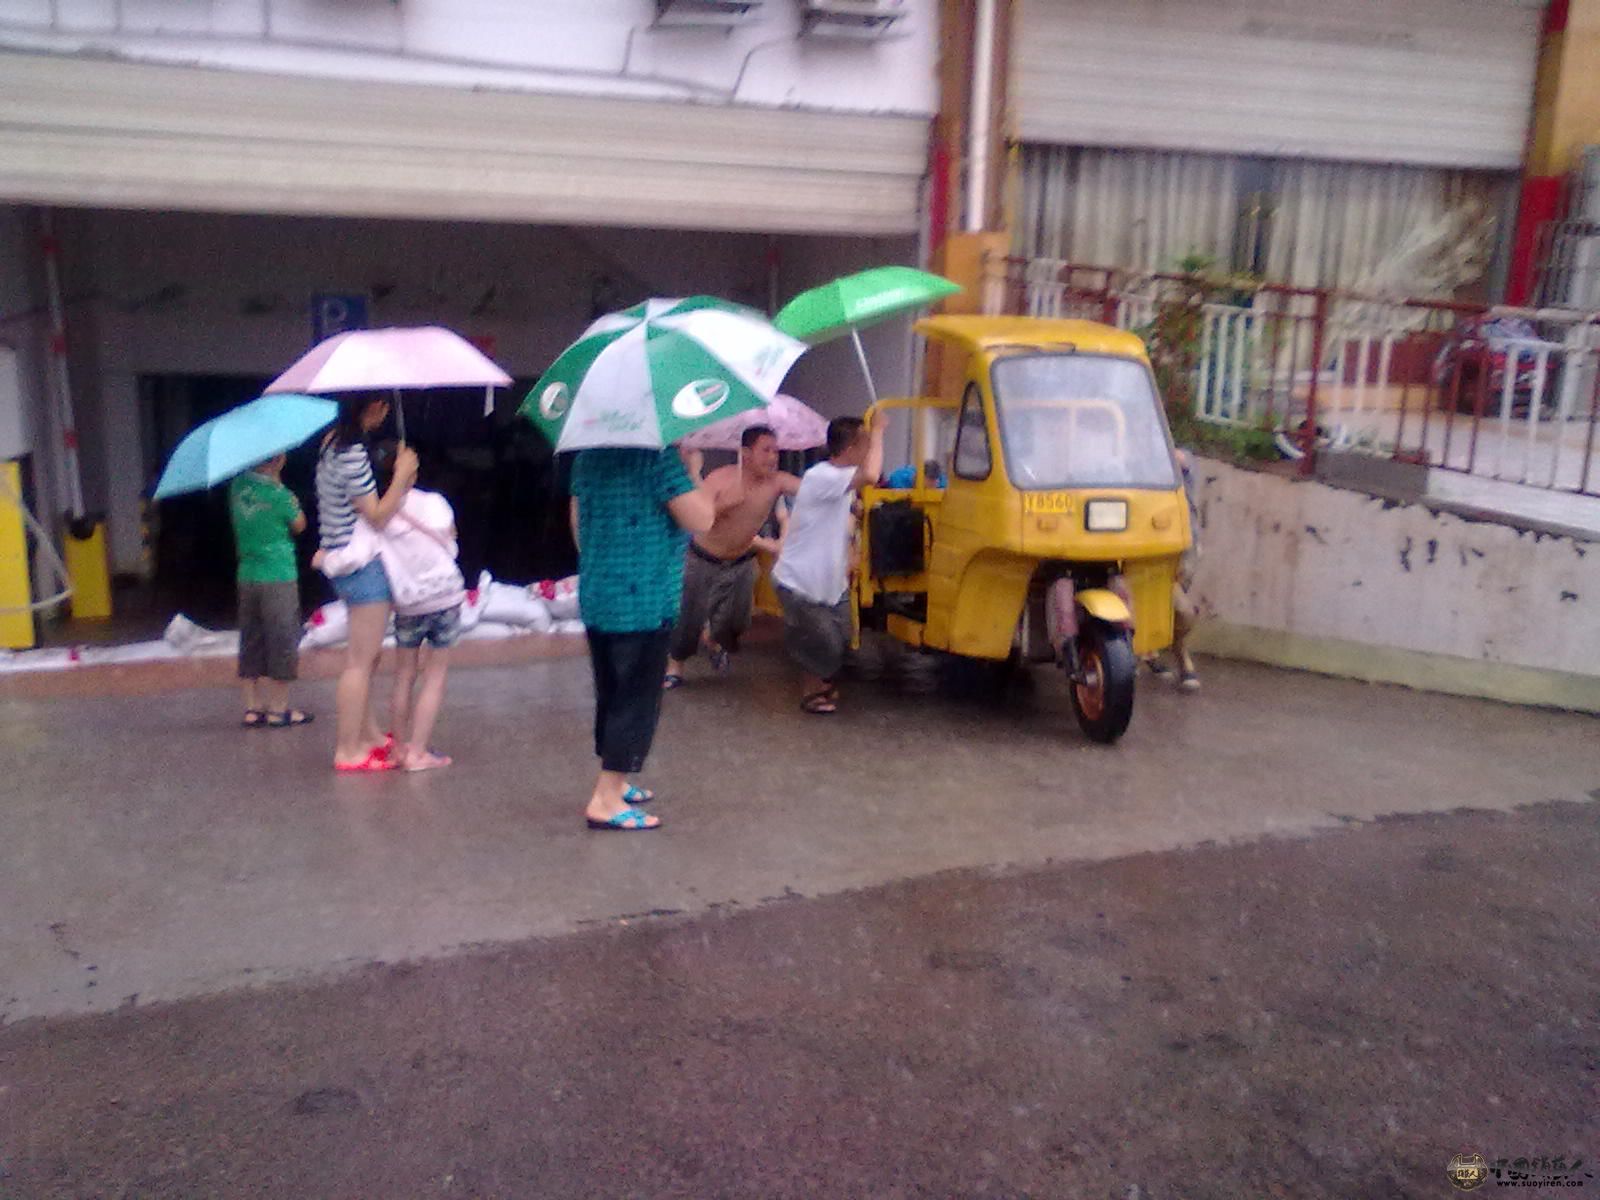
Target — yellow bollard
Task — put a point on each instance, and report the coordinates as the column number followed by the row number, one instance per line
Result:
column 90, row 574
column 16, row 583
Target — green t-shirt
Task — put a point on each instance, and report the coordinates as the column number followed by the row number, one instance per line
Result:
column 262, row 510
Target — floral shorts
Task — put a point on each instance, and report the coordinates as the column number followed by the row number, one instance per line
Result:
column 440, row 630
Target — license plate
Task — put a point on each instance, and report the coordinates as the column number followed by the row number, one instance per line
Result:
column 1047, row 502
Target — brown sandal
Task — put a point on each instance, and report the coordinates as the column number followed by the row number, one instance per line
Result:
column 820, row 704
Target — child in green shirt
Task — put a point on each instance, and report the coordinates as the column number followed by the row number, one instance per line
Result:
column 266, row 516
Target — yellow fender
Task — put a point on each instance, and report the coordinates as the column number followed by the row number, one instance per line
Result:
column 1105, row 605
column 989, row 600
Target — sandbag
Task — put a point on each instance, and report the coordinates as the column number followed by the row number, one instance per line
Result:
column 511, row 605
column 52, row 658
column 327, row 626
column 559, row 595
column 477, row 598
column 186, row 637
column 490, row 631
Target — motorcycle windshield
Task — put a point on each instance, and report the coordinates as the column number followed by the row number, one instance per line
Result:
column 1070, row 420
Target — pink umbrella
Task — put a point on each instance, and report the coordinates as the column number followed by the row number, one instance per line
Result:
column 363, row 360
column 798, row 427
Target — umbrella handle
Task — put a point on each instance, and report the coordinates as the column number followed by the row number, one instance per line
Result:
column 400, row 415
column 861, row 356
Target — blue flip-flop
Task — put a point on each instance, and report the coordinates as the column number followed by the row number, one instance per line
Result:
column 637, row 795
column 628, row 820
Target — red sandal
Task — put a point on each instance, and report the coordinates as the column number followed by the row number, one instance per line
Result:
column 375, row 760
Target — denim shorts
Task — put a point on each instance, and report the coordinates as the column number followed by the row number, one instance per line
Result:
column 440, row 630
column 369, row 585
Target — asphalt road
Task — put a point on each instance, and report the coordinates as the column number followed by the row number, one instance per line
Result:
column 1334, row 1015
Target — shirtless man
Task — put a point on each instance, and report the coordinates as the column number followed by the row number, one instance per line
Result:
column 720, row 568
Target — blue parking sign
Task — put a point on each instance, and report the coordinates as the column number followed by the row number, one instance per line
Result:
column 332, row 313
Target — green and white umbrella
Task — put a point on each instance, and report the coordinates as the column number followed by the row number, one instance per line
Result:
column 648, row 375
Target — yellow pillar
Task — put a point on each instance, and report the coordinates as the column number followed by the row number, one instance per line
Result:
column 16, row 585
column 90, row 573
column 1567, row 92
column 1566, row 117
column 977, row 261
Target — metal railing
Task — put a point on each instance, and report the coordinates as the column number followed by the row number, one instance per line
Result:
column 1501, row 393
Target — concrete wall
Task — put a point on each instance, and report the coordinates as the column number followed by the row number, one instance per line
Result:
column 1310, row 575
column 171, row 293
column 600, row 47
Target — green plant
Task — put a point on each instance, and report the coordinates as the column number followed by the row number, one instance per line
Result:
column 1174, row 334
column 1233, row 443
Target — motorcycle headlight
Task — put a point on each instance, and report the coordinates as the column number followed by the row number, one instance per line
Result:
column 1105, row 516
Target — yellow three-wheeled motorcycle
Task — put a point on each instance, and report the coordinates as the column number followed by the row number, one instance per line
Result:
column 1046, row 515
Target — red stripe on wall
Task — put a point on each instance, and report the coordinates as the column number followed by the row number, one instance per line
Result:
column 1540, row 204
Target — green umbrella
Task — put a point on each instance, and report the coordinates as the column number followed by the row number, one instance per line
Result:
column 847, row 305
column 650, row 374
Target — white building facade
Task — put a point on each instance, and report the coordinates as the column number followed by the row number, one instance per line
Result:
column 224, row 177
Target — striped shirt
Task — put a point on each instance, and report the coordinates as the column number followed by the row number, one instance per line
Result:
column 342, row 475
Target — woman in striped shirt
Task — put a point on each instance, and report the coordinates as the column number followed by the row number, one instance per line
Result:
column 346, row 490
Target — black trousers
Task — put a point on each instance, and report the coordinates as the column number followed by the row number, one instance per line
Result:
column 628, row 671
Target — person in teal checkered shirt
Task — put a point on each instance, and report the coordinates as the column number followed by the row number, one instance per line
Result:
column 631, row 512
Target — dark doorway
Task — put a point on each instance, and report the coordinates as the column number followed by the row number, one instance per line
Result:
column 499, row 474
column 191, row 538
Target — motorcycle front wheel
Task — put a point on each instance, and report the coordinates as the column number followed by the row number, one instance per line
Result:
column 1102, row 695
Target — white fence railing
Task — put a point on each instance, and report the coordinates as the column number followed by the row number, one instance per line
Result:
column 1505, row 394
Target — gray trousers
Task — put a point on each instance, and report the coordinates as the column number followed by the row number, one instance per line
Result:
column 817, row 636
column 721, row 594
column 269, row 631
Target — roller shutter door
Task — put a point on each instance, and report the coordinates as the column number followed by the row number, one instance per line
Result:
column 1422, row 82
column 115, row 134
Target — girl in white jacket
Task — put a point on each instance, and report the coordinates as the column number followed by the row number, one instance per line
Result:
column 418, row 551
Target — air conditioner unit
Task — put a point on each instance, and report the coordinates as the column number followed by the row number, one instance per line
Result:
column 706, row 14
column 857, row 19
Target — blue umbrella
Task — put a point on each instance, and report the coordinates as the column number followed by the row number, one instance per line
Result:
column 241, row 438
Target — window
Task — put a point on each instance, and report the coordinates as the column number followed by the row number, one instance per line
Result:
column 973, row 457
column 1081, row 420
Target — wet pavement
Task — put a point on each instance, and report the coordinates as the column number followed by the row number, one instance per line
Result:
column 155, row 851
column 1334, row 1017
column 98, row 675
column 938, row 946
